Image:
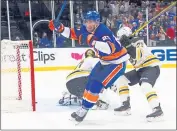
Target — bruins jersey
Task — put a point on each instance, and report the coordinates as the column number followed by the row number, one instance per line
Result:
column 83, row 68
column 142, row 55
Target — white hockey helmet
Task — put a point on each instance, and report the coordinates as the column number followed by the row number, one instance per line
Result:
column 123, row 31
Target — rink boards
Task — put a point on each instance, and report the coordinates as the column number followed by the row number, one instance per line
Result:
column 52, row 59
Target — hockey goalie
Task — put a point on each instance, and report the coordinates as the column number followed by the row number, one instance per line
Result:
column 76, row 83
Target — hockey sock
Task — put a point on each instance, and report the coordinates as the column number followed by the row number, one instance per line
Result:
column 123, row 90
column 150, row 94
column 91, row 94
column 123, row 93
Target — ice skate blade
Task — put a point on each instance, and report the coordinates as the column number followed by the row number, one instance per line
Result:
column 77, row 123
column 122, row 113
column 94, row 108
column 72, row 119
column 155, row 119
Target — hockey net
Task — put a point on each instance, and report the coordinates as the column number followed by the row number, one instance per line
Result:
column 17, row 76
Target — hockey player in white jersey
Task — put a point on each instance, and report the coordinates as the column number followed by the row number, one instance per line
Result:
column 76, row 82
column 146, row 71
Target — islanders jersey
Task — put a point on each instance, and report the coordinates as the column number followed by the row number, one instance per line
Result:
column 108, row 48
column 143, row 56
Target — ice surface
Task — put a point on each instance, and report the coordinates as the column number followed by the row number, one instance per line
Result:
column 49, row 86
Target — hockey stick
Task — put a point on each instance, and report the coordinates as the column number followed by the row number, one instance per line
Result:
column 146, row 23
column 61, row 11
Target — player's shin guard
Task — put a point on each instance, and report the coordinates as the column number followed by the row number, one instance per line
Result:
column 153, row 102
column 122, row 88
column 90, row 97
column 123, row 92
column 91, row 94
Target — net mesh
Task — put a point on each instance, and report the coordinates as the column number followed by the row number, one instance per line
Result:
column 17, row 81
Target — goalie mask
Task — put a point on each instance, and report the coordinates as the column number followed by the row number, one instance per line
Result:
column 89, row 53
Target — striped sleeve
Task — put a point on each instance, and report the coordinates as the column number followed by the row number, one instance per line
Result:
column 71, row 33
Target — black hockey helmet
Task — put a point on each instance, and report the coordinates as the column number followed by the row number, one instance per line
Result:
column 90, row 53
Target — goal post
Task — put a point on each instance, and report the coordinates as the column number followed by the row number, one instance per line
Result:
column 17, row 76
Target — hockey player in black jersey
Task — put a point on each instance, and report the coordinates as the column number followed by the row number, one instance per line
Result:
column 146, row 71
column 77, row 80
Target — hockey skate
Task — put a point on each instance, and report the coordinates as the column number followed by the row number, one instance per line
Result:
column 156, row 115
column 124, row 109
column 100, row 105
column 79, row 115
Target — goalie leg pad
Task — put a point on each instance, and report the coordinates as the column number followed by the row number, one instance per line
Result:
column 77, row 86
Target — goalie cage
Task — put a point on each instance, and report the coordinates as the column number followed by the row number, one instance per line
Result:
column 17, row 76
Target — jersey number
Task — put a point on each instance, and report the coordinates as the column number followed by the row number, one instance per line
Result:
column 105, row 38
column 117, row 40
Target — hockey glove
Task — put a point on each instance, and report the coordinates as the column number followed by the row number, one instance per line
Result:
column 125, row 41
column 56, row 26
column 87, row 38
column 132, row 61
